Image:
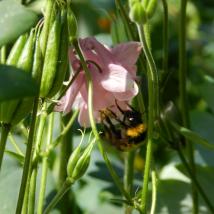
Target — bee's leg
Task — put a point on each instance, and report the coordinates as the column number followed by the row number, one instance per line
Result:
column 120, row 109
column 123, row 113
column 122, row 122
column 112, row 127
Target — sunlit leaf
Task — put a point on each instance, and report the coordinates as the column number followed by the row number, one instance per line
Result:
column 15, row 20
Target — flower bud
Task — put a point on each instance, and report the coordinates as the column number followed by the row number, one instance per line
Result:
column 150, row 9
column 73, row 160
column 83, row 163
column 78, row 163
column 138, row 13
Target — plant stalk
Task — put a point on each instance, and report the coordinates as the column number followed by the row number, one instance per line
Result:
column 45, row 166
column 128, row 176
column 65, row 187
column 34, row 165
column 5, row 129
column 183, row 95
column 154, row 192
column 65, row 152
column 28, row 158
column 165, row 44
column 152, row 113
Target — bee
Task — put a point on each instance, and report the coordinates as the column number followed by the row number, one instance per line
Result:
column 126, row 132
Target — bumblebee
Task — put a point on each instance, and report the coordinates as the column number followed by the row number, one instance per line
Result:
column 126, row 132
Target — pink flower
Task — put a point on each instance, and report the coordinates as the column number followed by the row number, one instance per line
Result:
column 113, row 73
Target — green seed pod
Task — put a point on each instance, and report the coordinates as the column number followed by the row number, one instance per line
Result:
column 51, row 57
column 150, row 9
column 137, row 13
column 16, row 50
column 23, row 108
column 83, row 163
column 72, row 25
column 25, row 61
column 73, row 160
column 13, row 111
column 62, row 58
column 47, row 24
column 37, row 60
column 12, row 60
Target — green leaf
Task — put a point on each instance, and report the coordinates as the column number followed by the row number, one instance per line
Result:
column 173, row 197
column 206, row 90
column 203, row 123
column 10, row 179
column 15, row 20
column 205, row 176
column 15, row 83
column 192, row 136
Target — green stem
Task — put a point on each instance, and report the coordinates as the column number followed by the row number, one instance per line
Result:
column 65, row 152
column 130, row 29
column 32, row 192
column 165, row 43
column 28, row 158
column 23, row 130
column 153, row 113
column 65, row 131
column 125, row 19
column 13, row 142
column 4, row 134
column 128, row 176
column 45, row 166
column 26, row 197
column 154, row 192
column 146, row 29
column 34, row 165
column 93, row 124
column 183, row 94
column 65, row 187
column 195, row 181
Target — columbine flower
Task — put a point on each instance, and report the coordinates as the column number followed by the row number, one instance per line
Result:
column 113, row 73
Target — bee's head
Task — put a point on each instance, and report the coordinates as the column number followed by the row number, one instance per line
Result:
column 132, row 118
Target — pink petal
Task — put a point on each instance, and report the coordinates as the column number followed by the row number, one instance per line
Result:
column 118, row 79
column 93, row 50
column 67, row 101
column 78, row 102
column 83, row 118
column 127, row 54
column 101, row 97
column 128, row 95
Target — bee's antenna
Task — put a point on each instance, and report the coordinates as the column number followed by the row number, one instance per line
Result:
column 120, row 109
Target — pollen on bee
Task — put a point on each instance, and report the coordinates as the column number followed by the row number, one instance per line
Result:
column 136, row 131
